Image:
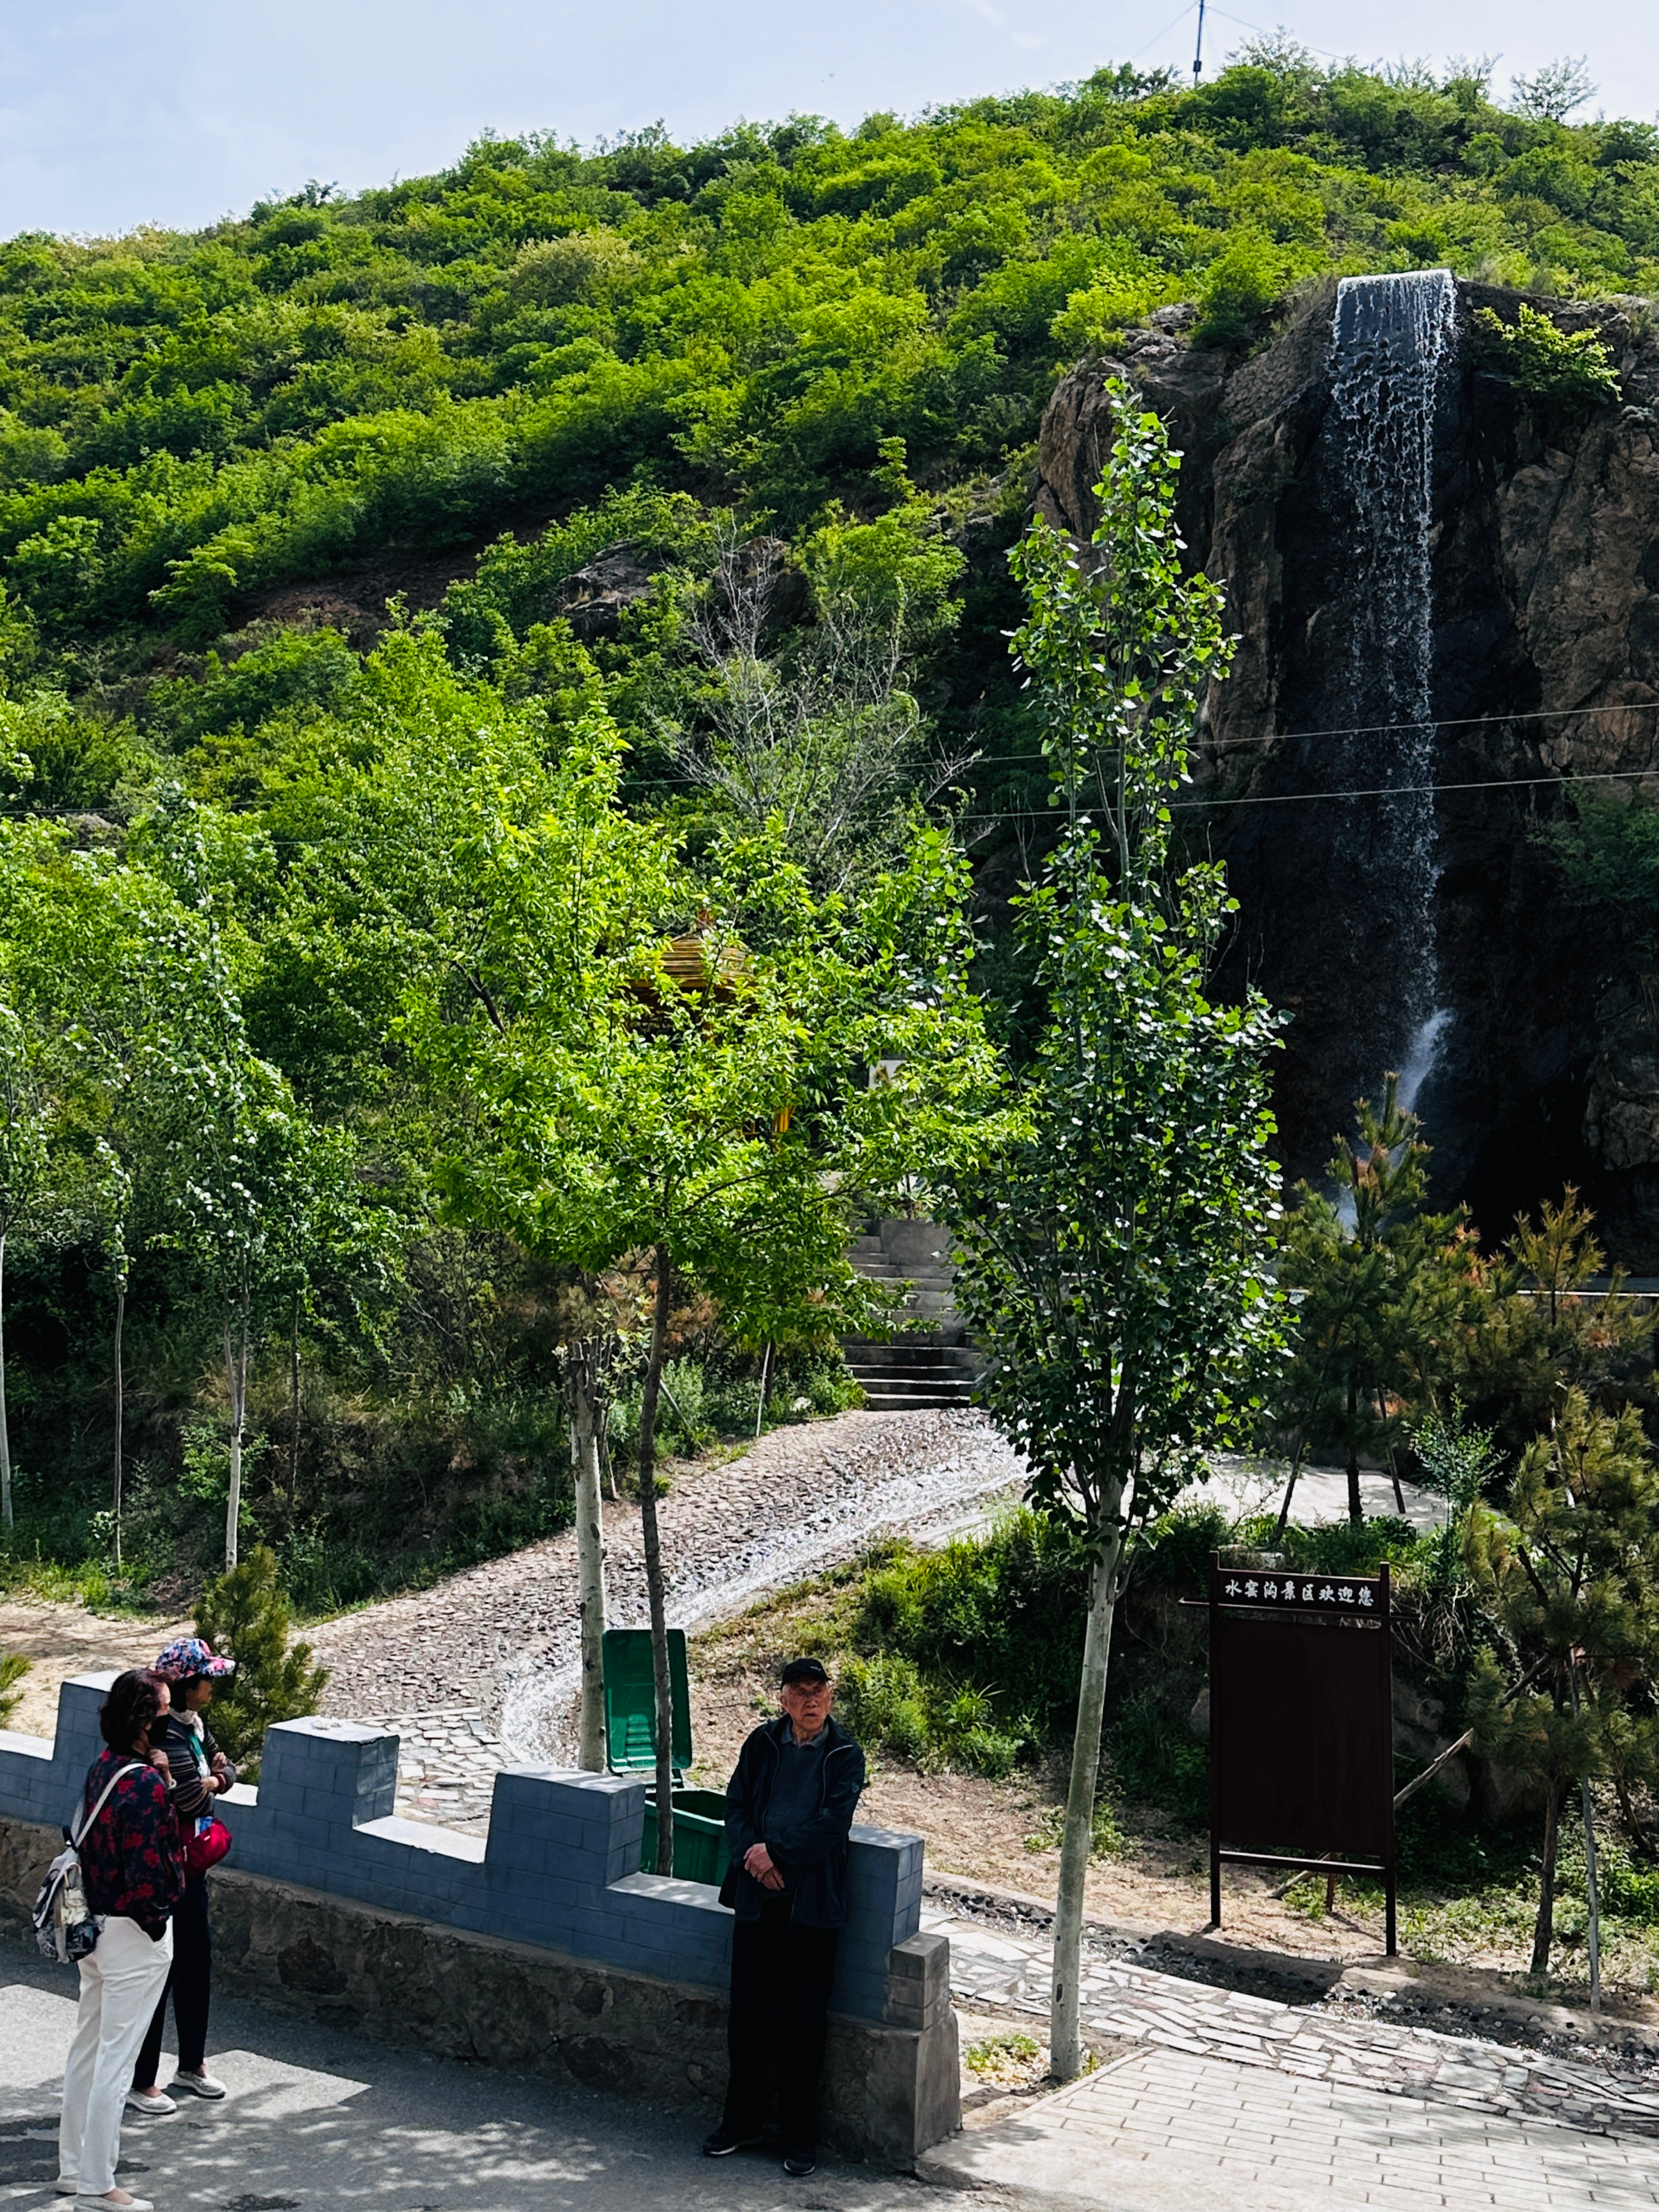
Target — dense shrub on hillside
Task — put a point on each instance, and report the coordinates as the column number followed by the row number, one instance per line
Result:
column 187, row 421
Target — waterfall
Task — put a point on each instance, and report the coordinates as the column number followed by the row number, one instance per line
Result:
column 1390, row 337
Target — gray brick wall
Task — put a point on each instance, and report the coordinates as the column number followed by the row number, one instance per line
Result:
column 560, row 1868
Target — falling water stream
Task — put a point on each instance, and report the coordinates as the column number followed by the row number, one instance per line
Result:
column 1390, row 339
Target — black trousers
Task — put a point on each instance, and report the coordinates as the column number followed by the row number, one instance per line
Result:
column 189, row 1984
column 781, row 1979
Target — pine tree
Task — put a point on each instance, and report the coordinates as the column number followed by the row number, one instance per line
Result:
column 1569, row 1578
column 246, row 1616
column 1383, row 1288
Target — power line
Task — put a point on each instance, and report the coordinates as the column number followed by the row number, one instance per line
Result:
column 1164, row 33
column 1307, row 797
column 1223, row 751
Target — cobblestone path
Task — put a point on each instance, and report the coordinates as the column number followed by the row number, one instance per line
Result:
column 481, row 1667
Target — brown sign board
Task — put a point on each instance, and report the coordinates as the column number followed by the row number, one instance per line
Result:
column 1301, row 1724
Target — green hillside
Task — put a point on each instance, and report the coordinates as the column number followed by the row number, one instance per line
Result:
column 191, row 420
column 221, row 454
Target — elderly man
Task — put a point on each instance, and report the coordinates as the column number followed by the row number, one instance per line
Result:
column 789, row 1807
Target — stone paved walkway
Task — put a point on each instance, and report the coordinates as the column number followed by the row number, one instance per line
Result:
column 1175, row 2130
column 992, row 1969
column 448, row 1761
column 502, row 1636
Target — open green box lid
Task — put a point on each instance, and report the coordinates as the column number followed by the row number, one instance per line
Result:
column 630, row 1701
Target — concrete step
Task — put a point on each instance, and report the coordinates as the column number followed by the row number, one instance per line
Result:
column 906, row 1345
column 903, row 1359
column 918, row 1399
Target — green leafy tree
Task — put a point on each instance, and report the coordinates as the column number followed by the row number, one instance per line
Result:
column 698, row 1099
column 26, row 1122
column 13, row 1668
column 1570, row 370
column 1115, row 1251
column 633, row 1059
column 246, row 1616
column 1551, row 94
column 1568, row 1578
column 822, row 730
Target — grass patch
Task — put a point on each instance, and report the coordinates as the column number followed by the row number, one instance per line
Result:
column 1107, row 1839
column 90, row 1583
column 1003, row 2059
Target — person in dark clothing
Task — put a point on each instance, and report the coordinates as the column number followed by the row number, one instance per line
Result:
column 198, row 1772
column 131, row 1871
column 789, row 1810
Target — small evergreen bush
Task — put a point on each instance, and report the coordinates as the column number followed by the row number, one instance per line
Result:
column 246, row 1616
column 13, row 1668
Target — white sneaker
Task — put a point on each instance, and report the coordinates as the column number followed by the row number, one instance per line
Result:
column 198, row 2085
column 65, row 2187
column 132, row 2204
column 140, row 2100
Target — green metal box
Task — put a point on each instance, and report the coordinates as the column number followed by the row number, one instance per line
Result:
column 699, row 1836
column 630, row 1701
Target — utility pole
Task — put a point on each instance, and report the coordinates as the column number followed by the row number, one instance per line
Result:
column 1198, row 52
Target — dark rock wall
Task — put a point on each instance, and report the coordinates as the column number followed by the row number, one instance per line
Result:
column 1546, row 607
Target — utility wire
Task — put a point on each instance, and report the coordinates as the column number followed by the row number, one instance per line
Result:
column 1164, row 33
column 1223, row 750
column 1307, row 797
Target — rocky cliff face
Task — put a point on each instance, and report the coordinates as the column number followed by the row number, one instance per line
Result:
column 1546, row 628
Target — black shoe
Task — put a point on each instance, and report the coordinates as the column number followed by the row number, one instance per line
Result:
column 725, row 2141
column 798, row 2164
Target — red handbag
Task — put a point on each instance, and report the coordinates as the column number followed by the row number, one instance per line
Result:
column 206, row 1843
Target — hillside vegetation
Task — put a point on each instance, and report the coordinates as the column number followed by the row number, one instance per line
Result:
column 543, row 401
column 191, row 420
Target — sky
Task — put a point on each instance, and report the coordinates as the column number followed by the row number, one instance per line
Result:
column 178, row 111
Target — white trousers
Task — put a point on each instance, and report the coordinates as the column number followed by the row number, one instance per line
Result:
column 119, row 1985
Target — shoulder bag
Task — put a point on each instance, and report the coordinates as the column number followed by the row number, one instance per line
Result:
column 65, row 1927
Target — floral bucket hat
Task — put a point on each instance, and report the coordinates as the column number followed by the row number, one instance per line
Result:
column 187, row 1659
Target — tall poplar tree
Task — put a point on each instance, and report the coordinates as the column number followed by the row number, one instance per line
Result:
column 1113, row 1257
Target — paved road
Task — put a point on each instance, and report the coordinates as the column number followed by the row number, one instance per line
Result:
column 316, row 2121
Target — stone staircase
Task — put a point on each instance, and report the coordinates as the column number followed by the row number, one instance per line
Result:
column 914, row 1368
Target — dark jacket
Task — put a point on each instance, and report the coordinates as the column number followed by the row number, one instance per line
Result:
column 132, row 1856
column 812, row 1851
column 191, row 1800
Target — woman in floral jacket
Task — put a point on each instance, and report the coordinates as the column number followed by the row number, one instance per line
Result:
column 132, row 1870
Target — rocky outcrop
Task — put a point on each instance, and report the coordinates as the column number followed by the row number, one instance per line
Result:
column 595, row 598
column 1547, row 665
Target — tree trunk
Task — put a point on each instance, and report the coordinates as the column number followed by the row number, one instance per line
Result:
column 1593, row 1885
column 5, row 1425
column 293, row 1407
column 1592, row 1874
column 1543, row 1934
column 1356, row 1507
column 590, row 1557
column 236, row 1371
column 653, row 1582
column 120, row 1407
column 1066, row 2051
column 760, row 1410
column 1290, row 1487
